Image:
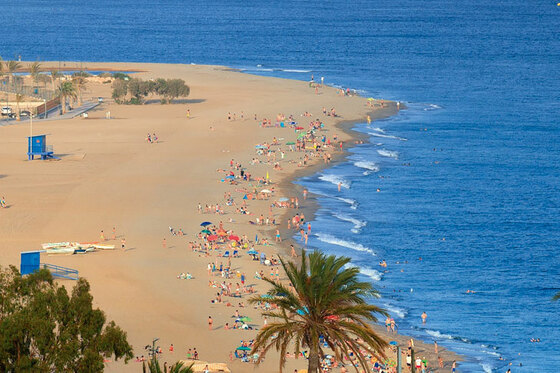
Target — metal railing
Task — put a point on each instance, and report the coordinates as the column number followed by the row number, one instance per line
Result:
column 62, row 272
column 35, row 92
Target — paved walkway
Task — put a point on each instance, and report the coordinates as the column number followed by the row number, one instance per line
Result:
column 53, row 114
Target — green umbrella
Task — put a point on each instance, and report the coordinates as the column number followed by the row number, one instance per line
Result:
column 290, row 143
column 205, row 231
column 244, row 348
column 245, row 319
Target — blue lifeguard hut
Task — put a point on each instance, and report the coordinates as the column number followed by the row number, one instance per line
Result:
column 37, row 146
column 31, row 262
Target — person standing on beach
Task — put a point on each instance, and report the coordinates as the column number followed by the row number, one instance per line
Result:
column 210, row 322
column 188, row 114
column 424, row 317
column 304, row 194
column 435, row 347
column 123, row 243
column 294, row 255
column 164, row 243
column 368, row 119
column 114, row 237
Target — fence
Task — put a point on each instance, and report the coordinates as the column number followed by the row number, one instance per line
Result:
column 36, row 92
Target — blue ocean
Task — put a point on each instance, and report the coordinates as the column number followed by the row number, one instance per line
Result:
column 468, row 175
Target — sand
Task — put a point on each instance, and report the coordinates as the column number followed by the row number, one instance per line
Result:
column 109, row 176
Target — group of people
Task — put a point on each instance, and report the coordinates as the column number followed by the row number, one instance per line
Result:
column 151, row 138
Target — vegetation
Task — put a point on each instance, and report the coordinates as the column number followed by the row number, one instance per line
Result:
column 79, row 82
column 178, row 367
column 45, row 329
column 12, row 66
column 66, row 90
column 35, row 69
column 121, row 76
column 83, row 74
column 54, row 75
column 138, row 89
column 325, row 300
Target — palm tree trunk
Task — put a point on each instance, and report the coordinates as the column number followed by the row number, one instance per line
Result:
column 313, row 361
column 63, row 103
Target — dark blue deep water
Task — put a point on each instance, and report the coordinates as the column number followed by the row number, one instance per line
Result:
column 469, row 174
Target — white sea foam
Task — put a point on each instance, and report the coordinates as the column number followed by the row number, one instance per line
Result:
column 295, row 71
column 487, row 368
column 368, row 165
column 374, row 134
column 358, row 224
column 395, row 311
column 436, row 334
column 334, row 179
column 371, row 273
column 327, row 238
column 353, row 204
column 377, row 129
column 432, row 107
column 388, row 153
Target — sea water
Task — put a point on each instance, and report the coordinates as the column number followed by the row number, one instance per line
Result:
column 468, row 174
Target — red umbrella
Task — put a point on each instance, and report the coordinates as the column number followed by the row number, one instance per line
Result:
column 211, row 237
column 234, row 238
column 299, row 128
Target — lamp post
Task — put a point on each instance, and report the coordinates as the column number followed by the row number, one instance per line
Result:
column 45, row 113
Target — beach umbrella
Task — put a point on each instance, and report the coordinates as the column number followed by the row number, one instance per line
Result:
column 300, row 135
column 205, row 231
column 252, row 252
column 204, row 224
column 266, row 191
column 222, row 233
column 245, row 319
column 234, row 238
column 290, row 143
column 245, row 196
column 393, row 343
column 212, row 237
column 230, row 177
column 283, row 199
column 244, row 348
column 370, row 99
column 299, row 128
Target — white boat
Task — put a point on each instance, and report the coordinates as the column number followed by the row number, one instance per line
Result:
column 61, row 251
column 53, row 245
column 104, row 247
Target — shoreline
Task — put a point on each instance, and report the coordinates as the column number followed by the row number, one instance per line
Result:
column 144, row 223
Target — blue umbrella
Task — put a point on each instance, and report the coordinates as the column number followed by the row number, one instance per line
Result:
column 204, row 224
column 230, row 177
column 252, row 252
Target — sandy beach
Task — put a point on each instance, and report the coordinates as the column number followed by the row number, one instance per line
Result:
column 109, row 176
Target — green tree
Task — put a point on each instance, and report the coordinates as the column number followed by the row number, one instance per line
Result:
column 35, row 69
column 54, row 75
column 120, row 90
column 12, row 67
column 325, row 299
column 44, row 329
column 176, row 88
column 80, row 84
column 138, row 89
column 66, row 90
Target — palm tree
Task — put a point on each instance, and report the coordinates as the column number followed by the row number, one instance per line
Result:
column 19, row 99
column 54, row 75
column 325, row 299
column 80, row 85
column 178, row 367
column 35, row 69
column 12, row 67
column 66, row 90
